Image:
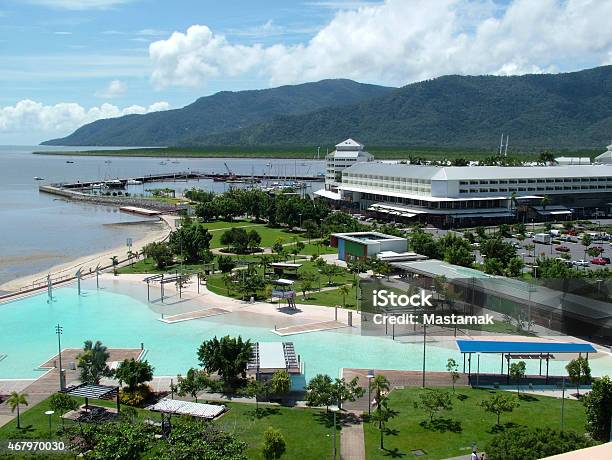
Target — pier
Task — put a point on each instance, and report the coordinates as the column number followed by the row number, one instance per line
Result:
column 190, row 175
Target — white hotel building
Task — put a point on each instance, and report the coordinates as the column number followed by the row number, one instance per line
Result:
column 466, row 195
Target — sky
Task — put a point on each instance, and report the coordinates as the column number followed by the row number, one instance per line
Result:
column 64, row 63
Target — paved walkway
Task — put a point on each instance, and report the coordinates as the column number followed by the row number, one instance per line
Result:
column 352, row 441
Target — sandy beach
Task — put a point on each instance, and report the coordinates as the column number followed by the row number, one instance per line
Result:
column 162, row 230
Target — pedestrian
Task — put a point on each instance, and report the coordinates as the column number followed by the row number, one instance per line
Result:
column 474, row 455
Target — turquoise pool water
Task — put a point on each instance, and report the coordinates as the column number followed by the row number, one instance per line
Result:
column 28, row 338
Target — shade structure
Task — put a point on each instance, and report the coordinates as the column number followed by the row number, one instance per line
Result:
column 93, row 391
column 491, row 346
column 175, row 406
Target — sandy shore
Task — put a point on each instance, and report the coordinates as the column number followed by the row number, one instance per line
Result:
column 165, row 225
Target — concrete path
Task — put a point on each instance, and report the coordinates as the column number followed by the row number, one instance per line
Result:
column 352, row 440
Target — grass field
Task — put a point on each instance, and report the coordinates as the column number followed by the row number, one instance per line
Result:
column 268, row 235
column 380, row 152
column 455, row 431
column 308, row 432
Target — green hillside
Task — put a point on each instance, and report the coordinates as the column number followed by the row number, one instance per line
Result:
column 218, row 113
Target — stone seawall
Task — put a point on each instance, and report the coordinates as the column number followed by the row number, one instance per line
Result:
column 112, row 200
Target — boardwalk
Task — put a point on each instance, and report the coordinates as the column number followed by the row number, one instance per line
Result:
column 193, row 315
column 48, row 384
column 310, row 327
column 352, row 440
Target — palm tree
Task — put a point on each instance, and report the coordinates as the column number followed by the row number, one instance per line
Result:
column 92, row 362
column 344, row 290
column 379, row 385
column 115, row 262
column 15, row 400
column 545, row 201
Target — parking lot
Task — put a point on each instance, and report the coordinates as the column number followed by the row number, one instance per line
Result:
column 576, row 249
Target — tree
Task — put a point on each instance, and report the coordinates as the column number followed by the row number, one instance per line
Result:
column 134, row 373
column 160, row 252
column 453, row 368
column 280, row 383
column 92, row 362
column 424, row 243
column 527, row 443
column 115, row 263
column 190, row 241
column 228, row 357
column 586, row 241
column 307, row 281
column 380, row 386
column 579, row 372
column 274, row 444
column 191, row 438
column 256, row 389
column 225, row 263
column 319, row 391
column 15, row 401
column 598, row 408
column 433, row 401
column 346, row 391
column 249, row 284
column 499, row 403
column 62, row 403
column 382, row 415
column 330, row 270
column 254, row 240
column 517, row 372
column 344, row 290
column 195, row 381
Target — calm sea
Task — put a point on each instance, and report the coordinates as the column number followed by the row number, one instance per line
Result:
column 38, row 231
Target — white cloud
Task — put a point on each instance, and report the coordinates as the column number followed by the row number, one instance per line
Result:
column 397, row 42
column 114, row 89
column 62, row 32
column 28, row 117
column 80, row 4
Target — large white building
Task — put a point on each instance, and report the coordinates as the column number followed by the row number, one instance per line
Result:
column 470, row 194
column 347, row 153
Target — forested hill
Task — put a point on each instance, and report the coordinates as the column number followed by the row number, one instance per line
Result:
column 220, row 112
column 558, row 111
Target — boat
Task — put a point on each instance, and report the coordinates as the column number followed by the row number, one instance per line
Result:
column 162, row 162
column 69, row 161
column 107, row 161
column 97, row 185
column 38, row 178
column 133, row 182
column 114, row 183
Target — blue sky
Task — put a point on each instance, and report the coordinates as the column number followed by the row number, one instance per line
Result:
column 69, row 62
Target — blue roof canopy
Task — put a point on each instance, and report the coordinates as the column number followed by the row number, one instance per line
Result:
column 490, row 346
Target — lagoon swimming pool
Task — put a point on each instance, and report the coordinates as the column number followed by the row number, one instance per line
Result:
column 28, row 338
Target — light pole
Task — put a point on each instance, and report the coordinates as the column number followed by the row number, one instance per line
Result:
column 49, row 413
column 424, row 343
column 58, row 331
column 563, row 403
column 370, row 377
column 334, row 409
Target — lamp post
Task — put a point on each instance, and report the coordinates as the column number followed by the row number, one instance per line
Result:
column 370, row 377
column 334, row 409
column 59, row 331
column 424, row 348
column 49, row 413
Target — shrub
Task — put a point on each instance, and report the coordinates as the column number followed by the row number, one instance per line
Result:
column 274, row 444
column 136, row 397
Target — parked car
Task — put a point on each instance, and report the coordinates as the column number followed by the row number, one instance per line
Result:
column 607, row 259
column 529, row 234
column 562, row 248
column 562, row 260
column 580, row 263
column 599, row 261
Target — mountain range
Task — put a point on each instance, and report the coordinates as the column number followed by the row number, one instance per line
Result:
column 557, row 111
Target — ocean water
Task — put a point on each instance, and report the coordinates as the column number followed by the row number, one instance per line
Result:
column 121, row 321
column 40, row 230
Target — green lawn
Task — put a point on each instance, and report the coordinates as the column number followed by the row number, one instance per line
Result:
column 308, row 432
column 269, row 235
column 327, row 298
column 465, row 424
column 148, row 266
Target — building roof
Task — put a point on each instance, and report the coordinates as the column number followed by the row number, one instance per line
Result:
column 600, row 452
column 494, row 346
column 93, row 391
column 478, row 172
column 272, row 355
column 175, row 406
column 328, row 194
column 367, row 237
column 349, row 144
